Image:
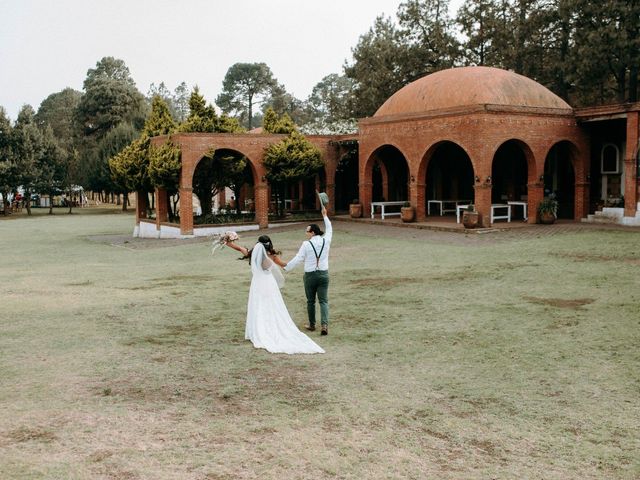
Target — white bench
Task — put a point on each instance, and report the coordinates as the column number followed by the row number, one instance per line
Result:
column 382, row 206
column 524, row 208
column 499, row 206
column 460, row 208
column 446, row 205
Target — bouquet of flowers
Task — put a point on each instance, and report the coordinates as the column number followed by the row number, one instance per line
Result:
column 219, row 240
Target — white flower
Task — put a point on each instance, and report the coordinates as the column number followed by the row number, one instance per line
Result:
column 219, row 240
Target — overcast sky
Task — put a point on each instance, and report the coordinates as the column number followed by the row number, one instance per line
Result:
column 48, row 45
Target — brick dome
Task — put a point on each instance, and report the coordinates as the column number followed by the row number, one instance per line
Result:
column 469, row 86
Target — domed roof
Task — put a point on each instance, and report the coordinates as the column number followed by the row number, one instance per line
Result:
column 466, row 86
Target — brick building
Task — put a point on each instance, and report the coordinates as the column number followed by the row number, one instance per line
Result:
column 473, row 135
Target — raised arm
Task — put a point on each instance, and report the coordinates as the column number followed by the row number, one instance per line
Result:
column 328, row 228
column 242, row 250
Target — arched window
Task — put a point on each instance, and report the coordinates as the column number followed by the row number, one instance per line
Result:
column 609, row 159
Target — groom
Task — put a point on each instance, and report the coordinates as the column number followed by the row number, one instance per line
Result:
column 314, row 252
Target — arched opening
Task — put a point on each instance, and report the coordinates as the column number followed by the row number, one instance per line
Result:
column 449, row 179
column 509, row 176
column 559, row 178
column 346, row 182
column 223, row 188
column 390, row 175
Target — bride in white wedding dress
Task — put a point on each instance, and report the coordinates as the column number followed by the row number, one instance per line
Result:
column 269, row 324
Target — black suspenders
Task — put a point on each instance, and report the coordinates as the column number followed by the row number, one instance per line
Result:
column 315, row 252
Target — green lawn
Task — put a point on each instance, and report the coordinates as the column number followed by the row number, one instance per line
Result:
column 511, row 359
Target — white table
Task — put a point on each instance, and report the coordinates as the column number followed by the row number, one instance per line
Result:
column 500, row 206
column 460, row 208
column 524, row 208
column 382, row 205
column 445, row 205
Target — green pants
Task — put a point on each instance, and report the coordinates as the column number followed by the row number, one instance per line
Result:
column 317, row 283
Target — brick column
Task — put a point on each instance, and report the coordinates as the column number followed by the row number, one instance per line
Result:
column 420, row 200
column 482, row 202
column 581, row 200
column 162, row 214
column 142, row 204
column 630, row 166
column 535, row 193
column 186, row 211
column 331, row 191
column 262, row 205
column 366, row 193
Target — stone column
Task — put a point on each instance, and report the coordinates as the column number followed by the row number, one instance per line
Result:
column 630, row 166
column 186, row 211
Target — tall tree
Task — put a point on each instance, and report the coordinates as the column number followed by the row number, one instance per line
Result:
column 8, row 168
column 281, row 102
column 203, row 117
column 478, row 20
column 50, row 167
column 57, row 112
column 607, row 48
column 28, row 149
column 244, row 86
column 110, row 98
column 427, row 29
column 378, row 69
column 330, row 98
column 273, row 123
column 181, row 102
column 118, row 139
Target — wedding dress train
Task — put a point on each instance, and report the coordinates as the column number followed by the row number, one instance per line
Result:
column 269, row 324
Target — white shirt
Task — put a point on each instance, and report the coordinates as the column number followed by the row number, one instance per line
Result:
column 308, row 256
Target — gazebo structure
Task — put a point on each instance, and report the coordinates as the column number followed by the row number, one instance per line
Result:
column 469, row 135
column 474, row 135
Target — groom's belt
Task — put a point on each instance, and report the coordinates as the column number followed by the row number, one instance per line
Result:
column 315, row 271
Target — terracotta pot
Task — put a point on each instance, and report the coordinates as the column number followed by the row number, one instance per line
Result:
column 355, row 210
column 547, row 218
column 407, row 214
column 470, row 219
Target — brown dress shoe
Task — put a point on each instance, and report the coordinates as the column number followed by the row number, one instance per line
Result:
column 325, row 331
column 311, row 328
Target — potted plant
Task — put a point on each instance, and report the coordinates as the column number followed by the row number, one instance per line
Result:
column 355, row 208
column 407, row 212
column 548, row 210
column 470, row 217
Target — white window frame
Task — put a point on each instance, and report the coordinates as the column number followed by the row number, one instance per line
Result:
column 602, row 170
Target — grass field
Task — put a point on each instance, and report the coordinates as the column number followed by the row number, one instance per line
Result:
column 509, row 359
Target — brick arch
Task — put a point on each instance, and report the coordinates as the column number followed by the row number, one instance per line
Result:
column 189, row 165
column 431, row 149
column 366, row 173
column 579, row 169
column 532, row 164
column 580, row 186
column 423, row 168
column 236, row 153
column 514, row 191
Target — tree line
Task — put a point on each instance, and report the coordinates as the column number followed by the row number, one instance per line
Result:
column 586, row 52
